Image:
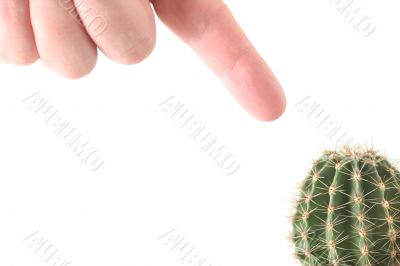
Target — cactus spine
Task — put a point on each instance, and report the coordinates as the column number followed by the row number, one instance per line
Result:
column 348, row 211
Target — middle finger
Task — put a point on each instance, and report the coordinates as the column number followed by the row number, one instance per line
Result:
column 123, row 29
column 63, row 43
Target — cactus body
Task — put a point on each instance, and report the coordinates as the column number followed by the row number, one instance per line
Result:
column 348, row 212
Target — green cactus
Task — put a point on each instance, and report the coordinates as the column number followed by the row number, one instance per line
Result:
column 348, row 211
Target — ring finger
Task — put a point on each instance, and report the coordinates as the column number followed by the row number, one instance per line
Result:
column 62, row 41
column 123, row 29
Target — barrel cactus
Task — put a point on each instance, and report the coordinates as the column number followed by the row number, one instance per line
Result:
column 348, row 211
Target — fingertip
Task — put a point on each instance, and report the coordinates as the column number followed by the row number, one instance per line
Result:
column 255, row 87
column 141, row 49
column 74, row 70
column 271, row 111
column 263, row 106
column 21, row 59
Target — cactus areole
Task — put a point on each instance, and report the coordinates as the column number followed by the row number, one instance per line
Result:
column 348, row 211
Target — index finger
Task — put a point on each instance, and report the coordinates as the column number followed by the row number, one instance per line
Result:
column 210, row 29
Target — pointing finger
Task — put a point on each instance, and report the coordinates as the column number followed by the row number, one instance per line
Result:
column 210, row 29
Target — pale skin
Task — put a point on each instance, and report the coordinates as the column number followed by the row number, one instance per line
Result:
column 125, row 32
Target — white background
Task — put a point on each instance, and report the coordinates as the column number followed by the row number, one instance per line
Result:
column 155, row 178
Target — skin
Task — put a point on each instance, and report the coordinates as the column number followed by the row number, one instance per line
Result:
column 65, row 35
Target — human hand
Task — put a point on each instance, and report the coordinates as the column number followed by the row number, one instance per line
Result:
column 65, row 35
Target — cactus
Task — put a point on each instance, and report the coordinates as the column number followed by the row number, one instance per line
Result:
column 348, row 211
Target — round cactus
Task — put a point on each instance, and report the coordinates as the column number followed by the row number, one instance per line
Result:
column 348, row 211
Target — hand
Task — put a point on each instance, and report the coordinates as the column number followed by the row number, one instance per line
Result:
column 65, row 35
